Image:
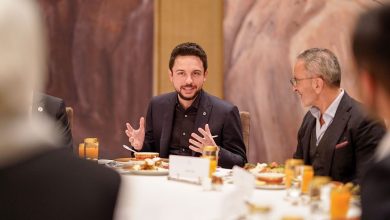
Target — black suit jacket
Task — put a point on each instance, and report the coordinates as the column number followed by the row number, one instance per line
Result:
column 55, row 108
column 57, row 185
column 222, row 117
column 375, row 193
column 347, row 145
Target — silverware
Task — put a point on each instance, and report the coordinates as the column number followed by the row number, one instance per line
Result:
column 129, row 148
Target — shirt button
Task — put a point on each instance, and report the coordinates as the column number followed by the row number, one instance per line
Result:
column 185, row 116
column 183, row 149
column 184, row 133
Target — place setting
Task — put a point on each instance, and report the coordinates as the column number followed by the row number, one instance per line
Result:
column 143, row 163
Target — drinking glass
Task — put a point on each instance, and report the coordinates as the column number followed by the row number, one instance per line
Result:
column 317, row 200
column 339, row 202
column 293, row 179
column 307, row 173
column 91, row 148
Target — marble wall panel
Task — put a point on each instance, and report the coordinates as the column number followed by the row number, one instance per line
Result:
column 262, row 39
column 100, row 63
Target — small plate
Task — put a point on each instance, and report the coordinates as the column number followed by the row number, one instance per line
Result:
column 123, row 159
column 159, row 172
column 270, row 186
column 104, row 161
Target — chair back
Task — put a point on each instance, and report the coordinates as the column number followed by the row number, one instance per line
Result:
column 69, row 113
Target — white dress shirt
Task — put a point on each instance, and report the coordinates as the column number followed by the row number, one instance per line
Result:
column 328, row 116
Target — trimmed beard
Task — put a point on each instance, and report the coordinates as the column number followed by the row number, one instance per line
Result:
column 189, row 98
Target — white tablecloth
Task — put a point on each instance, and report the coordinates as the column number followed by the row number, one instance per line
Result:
column 155, row 197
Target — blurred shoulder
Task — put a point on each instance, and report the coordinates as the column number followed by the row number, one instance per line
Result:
column 48, row 98
column 68, row 167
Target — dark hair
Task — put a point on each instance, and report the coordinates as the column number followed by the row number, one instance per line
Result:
column 371, row 44
column 188, row 49
column 324, row 63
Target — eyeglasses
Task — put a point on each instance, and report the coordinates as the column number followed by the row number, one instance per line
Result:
column 294, row 81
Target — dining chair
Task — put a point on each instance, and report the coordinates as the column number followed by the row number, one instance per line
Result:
column 245, row 122
column 69, row 112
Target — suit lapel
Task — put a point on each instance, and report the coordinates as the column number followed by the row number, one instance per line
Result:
column 307, row 138
column 38, row 105
column 203, row 114
column 166, row 131
column 334, row 132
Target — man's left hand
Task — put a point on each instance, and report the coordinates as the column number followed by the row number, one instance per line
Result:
column 198, row 143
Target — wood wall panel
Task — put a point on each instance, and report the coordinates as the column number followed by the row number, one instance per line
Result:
column 178, row 21
column 100, row 63
column 262, row 39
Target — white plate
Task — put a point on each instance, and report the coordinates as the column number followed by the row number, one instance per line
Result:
column 159, row 172
column 103, row 161
column 269, row 186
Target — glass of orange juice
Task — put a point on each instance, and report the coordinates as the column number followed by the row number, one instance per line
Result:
column 339, row 202
column 307, row 176
column 82, row 150
column 211, row 152
column 91, row 148
column 290, row 171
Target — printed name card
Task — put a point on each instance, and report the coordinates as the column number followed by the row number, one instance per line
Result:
column 244, row 181
column 188, row 169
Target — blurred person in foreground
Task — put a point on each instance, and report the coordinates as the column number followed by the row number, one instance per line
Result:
column 371, row 48
column 55, row 108
column 336, row 136
column 39, row 179
column 183, row 122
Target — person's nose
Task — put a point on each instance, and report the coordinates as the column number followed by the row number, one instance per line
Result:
column 189, row 79
column 294, row 88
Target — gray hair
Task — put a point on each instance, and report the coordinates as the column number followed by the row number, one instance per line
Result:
column 322, row 62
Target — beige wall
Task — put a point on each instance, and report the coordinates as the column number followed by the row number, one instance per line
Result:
column 262, row 39
column 178, row 21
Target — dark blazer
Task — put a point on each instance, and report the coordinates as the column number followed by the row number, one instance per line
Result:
column 375, row 193
column 222, row 117
column 348, row 143
column 57, row 185
column 55, row 108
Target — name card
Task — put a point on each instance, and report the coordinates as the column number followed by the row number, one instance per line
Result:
column 188, row 169
column 244, row 181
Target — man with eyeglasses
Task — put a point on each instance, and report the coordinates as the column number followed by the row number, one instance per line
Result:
column 336, row 136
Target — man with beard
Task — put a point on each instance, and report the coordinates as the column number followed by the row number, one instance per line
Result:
column 371, row 48
column 336, row 136
column 184, row 121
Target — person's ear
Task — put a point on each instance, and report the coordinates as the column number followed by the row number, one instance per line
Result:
column 318, row 84
column 205, row 76
column 170, row 74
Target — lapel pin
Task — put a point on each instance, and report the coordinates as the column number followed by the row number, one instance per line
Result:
column 204, row 113
column 40, row 109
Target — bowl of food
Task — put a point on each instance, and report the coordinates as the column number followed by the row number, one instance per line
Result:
column 270, row 178
column 145, row 155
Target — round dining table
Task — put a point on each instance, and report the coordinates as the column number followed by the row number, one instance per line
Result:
column 156, row 197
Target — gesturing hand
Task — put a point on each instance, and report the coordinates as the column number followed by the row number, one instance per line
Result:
column 136, row 137
column 198, row 143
